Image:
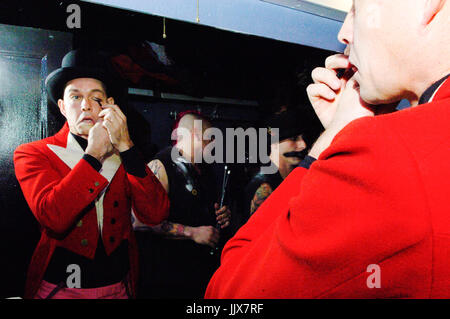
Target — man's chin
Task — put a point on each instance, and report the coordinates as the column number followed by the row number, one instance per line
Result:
column 368, row 97
column 84, row 128
column 375, row 98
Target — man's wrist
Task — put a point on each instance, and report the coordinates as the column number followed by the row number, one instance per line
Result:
column 125, row 146
column 188, row 232
column 323, row 142
column 97, row 155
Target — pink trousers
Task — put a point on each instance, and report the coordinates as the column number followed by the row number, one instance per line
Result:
column 116, row 291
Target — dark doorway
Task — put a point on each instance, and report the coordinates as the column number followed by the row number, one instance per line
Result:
column 26, row 57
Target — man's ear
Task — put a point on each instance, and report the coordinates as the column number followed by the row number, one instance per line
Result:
column 62, row 108
column 431, row 8
column 110, row 100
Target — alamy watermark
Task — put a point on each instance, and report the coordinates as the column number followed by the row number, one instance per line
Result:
column 74, row 279
column 73, row 21
column 236, row 139
column 374, row 279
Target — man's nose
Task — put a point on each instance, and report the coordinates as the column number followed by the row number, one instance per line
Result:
column 85, row 105
column 345, row 35
column 301, row 145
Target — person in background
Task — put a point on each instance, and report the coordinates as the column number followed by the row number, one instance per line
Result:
column 178, row 256
column 287, row 150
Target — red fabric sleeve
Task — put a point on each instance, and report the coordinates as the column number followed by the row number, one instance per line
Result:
column 266, row 214
column 55, row 201
column 353, row 208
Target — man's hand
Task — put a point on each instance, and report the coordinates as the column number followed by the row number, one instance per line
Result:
column 116, row 124
column 204, row 235
column 336, row 101
column 350, row 107
column 99, row 144
column 326, row 91
column 223, row 216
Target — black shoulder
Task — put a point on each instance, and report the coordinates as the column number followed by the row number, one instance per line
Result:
column 164, row 155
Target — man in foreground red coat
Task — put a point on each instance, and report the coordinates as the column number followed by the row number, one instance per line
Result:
column 81, row 185
column 370, row 217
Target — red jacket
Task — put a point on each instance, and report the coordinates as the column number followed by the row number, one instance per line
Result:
column 58, row 185
column 378, row 195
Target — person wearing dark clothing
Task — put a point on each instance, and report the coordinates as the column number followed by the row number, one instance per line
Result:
column 178, row 257
column 287, row 150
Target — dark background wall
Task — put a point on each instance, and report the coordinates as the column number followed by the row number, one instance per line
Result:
column 206, row 63
column 26, row 55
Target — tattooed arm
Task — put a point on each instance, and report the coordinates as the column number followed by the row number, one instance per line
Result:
column 159, row 170
column 204, row 235
column 166, row 228
column 261, row 194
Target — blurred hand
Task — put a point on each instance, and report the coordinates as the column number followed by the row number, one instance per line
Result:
column 204, row 235
column 223, row 216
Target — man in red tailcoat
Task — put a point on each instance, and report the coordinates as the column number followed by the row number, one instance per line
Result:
column 81, row 185
column 370, row 218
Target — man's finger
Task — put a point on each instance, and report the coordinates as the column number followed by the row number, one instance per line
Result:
column 226, row 224
column 110, row 124
column 221, row 210
column 337, row 61
column 326, row 76
column 321, row 90
column 222, row 217
column 116, row 109
column 113, row 116
column 107, row 125
column 107, row 109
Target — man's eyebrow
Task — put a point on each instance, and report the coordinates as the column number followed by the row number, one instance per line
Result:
column 98, row 90
column 91, row 91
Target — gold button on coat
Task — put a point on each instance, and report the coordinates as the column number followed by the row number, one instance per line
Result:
column 84, row 242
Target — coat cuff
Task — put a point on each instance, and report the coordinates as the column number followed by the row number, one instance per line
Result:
column 133, row 162
column 307, row 162
column 95, row 163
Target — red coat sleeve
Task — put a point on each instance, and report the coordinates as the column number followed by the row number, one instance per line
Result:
column 149, row 198
column 55, row 201
column 316, row 235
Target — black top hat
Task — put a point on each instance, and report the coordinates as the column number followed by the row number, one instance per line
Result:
column 296, row 121
column 289, row 124
column 80, row 64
